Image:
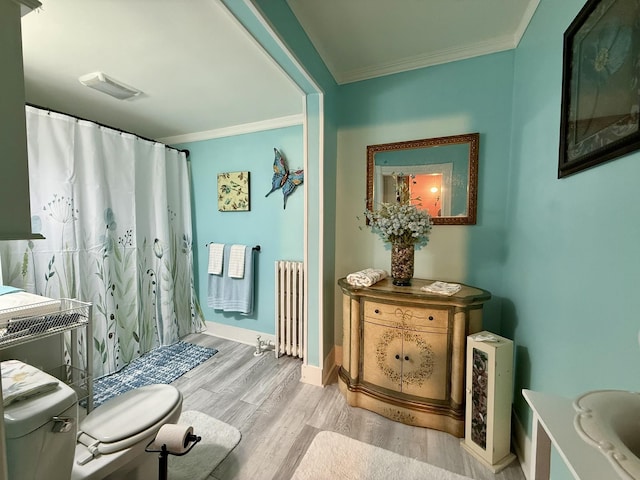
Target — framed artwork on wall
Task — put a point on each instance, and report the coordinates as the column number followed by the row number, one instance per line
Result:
column 600, row 85
column 233, row 192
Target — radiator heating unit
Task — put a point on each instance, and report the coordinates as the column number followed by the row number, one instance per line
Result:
column 290, row 319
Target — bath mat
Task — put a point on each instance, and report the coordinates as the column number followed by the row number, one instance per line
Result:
column 218, row 439
column 335, row 456
column 160, row 365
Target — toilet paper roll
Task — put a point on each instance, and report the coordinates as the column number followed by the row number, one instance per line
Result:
column 175, row 437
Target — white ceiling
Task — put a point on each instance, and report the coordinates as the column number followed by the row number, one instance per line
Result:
column 361, row 39
column 202, row 74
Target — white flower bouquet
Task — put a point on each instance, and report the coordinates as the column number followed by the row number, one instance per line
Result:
column 400, row 223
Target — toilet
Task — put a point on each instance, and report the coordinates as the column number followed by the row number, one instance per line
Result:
column 46, row 440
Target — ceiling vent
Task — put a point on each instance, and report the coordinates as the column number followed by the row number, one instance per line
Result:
column 108, row 85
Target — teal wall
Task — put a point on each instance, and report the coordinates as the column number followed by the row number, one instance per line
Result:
column 572, row 260
column 312, row 76
column 462, row 97
column 278, row 231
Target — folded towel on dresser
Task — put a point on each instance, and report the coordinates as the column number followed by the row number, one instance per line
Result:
column 233, row 294
column 216, row 258
column 442, row 288
column 366, row 277
column 236, row 261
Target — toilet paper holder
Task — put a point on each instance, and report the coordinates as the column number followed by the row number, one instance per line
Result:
column 189, row 441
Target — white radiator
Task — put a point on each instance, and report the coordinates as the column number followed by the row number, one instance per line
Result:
column 289, row 308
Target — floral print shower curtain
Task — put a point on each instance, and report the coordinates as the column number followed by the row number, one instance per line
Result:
column 116, row 216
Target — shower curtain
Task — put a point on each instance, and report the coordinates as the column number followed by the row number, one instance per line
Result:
column 115, row 211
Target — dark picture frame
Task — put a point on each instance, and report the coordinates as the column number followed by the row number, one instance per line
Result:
column 600, row 85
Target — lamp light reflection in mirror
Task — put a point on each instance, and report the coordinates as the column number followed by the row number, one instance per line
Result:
column 440, row 173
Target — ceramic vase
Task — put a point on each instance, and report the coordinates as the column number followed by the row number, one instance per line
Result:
column 402, row 263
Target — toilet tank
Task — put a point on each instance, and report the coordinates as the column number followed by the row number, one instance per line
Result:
column 38, row 445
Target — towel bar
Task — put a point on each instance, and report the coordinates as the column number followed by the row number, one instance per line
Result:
column 256, row 248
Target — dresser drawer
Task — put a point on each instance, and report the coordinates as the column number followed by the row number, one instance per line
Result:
column 406, row 316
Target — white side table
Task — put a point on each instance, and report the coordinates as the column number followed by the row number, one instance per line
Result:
column 553, row 424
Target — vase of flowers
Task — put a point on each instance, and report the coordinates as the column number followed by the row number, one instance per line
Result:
column 403, row 225
column 402, row 263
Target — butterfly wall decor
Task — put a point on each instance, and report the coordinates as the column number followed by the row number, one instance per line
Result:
column 283, row 178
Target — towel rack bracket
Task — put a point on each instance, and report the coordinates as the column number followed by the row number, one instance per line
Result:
column 257, row 248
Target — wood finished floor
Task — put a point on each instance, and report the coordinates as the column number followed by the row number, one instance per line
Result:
column 279, row 416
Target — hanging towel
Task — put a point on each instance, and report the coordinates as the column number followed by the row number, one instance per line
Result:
column 233, row 294
column 217, row 281
column 236, row 261
column 238, row 292
column 216, row 289
column 366, row 277
column 216, row 253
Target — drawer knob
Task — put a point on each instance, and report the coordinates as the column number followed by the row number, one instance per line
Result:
column 397, row 357
column 406, row 357
column 377, row 311
column 430, row 317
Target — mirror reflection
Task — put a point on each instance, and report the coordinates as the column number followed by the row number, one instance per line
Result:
column 440, row 174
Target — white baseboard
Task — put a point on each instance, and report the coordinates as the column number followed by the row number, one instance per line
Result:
column 237, row 334
column 521, row 445
column 329, row 367
column 319, row 376
column 311, row 375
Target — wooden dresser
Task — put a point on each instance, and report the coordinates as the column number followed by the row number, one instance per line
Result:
column 404, row 351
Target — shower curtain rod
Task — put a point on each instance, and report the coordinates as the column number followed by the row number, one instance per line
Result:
column 185, row 151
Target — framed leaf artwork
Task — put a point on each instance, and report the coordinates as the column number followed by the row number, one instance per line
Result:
column 600, row 118
column 233, row 192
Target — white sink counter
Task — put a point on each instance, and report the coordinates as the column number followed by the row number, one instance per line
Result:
column 553, row 424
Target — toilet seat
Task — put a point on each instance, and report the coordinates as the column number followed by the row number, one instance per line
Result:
column 127, row 419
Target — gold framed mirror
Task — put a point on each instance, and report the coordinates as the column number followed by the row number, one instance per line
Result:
column 441, row 174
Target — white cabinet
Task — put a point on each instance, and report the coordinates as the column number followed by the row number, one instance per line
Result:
column 15, row 213
column 488, row 398
column 552, row 425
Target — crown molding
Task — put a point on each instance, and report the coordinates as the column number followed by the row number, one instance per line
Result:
column 421, row 61
column 27, row 5
column 253, row 127
column 526, row 19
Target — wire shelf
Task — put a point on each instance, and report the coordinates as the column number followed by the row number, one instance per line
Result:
column 24, row 324
column 76, row 378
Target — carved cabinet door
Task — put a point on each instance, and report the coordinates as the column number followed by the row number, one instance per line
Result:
column 425, row 364
column 382, row 356
column 407, row 361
